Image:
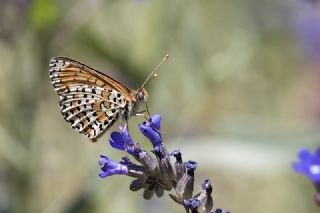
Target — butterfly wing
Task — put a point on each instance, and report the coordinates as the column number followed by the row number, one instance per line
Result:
column 90, row 101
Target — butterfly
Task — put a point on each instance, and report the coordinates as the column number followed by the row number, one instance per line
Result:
column 91, row 101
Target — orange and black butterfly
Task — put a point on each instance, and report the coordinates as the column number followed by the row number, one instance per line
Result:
column 91, row 101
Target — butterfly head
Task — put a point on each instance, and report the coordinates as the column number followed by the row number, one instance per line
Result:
column 141, row 95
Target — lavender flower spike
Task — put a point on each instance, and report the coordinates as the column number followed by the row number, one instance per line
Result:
column 109, row 167
column 154, row 173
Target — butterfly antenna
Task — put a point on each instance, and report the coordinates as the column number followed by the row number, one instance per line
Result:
column 153, row 74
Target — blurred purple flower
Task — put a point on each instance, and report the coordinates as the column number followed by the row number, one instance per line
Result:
column 309, row 165
column 307, row 26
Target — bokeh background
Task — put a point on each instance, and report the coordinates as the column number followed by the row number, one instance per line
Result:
column 240, row 94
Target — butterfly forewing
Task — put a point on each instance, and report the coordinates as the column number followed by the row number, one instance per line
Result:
column 90, row 101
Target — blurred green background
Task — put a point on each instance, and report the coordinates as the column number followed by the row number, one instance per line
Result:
column 237, row 95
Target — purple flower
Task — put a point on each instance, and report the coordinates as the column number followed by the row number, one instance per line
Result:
column 151, row 130
column 204, row 197
column 165, row 166
column 191, row 166
column 185, row 185
column 109, row 167
column 192, row 204
column 160, row 152
column 220, row 211
column 309, row 164
column 177, row 154
column 179, row 166
column 206, row 185
column 121, row 141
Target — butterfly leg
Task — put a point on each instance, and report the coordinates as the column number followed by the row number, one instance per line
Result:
column 125, row 128
column 147, row 108
column 143, row 114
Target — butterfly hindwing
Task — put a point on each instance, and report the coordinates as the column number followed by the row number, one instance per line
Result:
column 89, row 102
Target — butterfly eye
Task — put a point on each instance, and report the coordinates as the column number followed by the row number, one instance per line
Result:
column 140, row 96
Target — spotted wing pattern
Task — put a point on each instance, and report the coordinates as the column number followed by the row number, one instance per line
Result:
column 90, row 101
